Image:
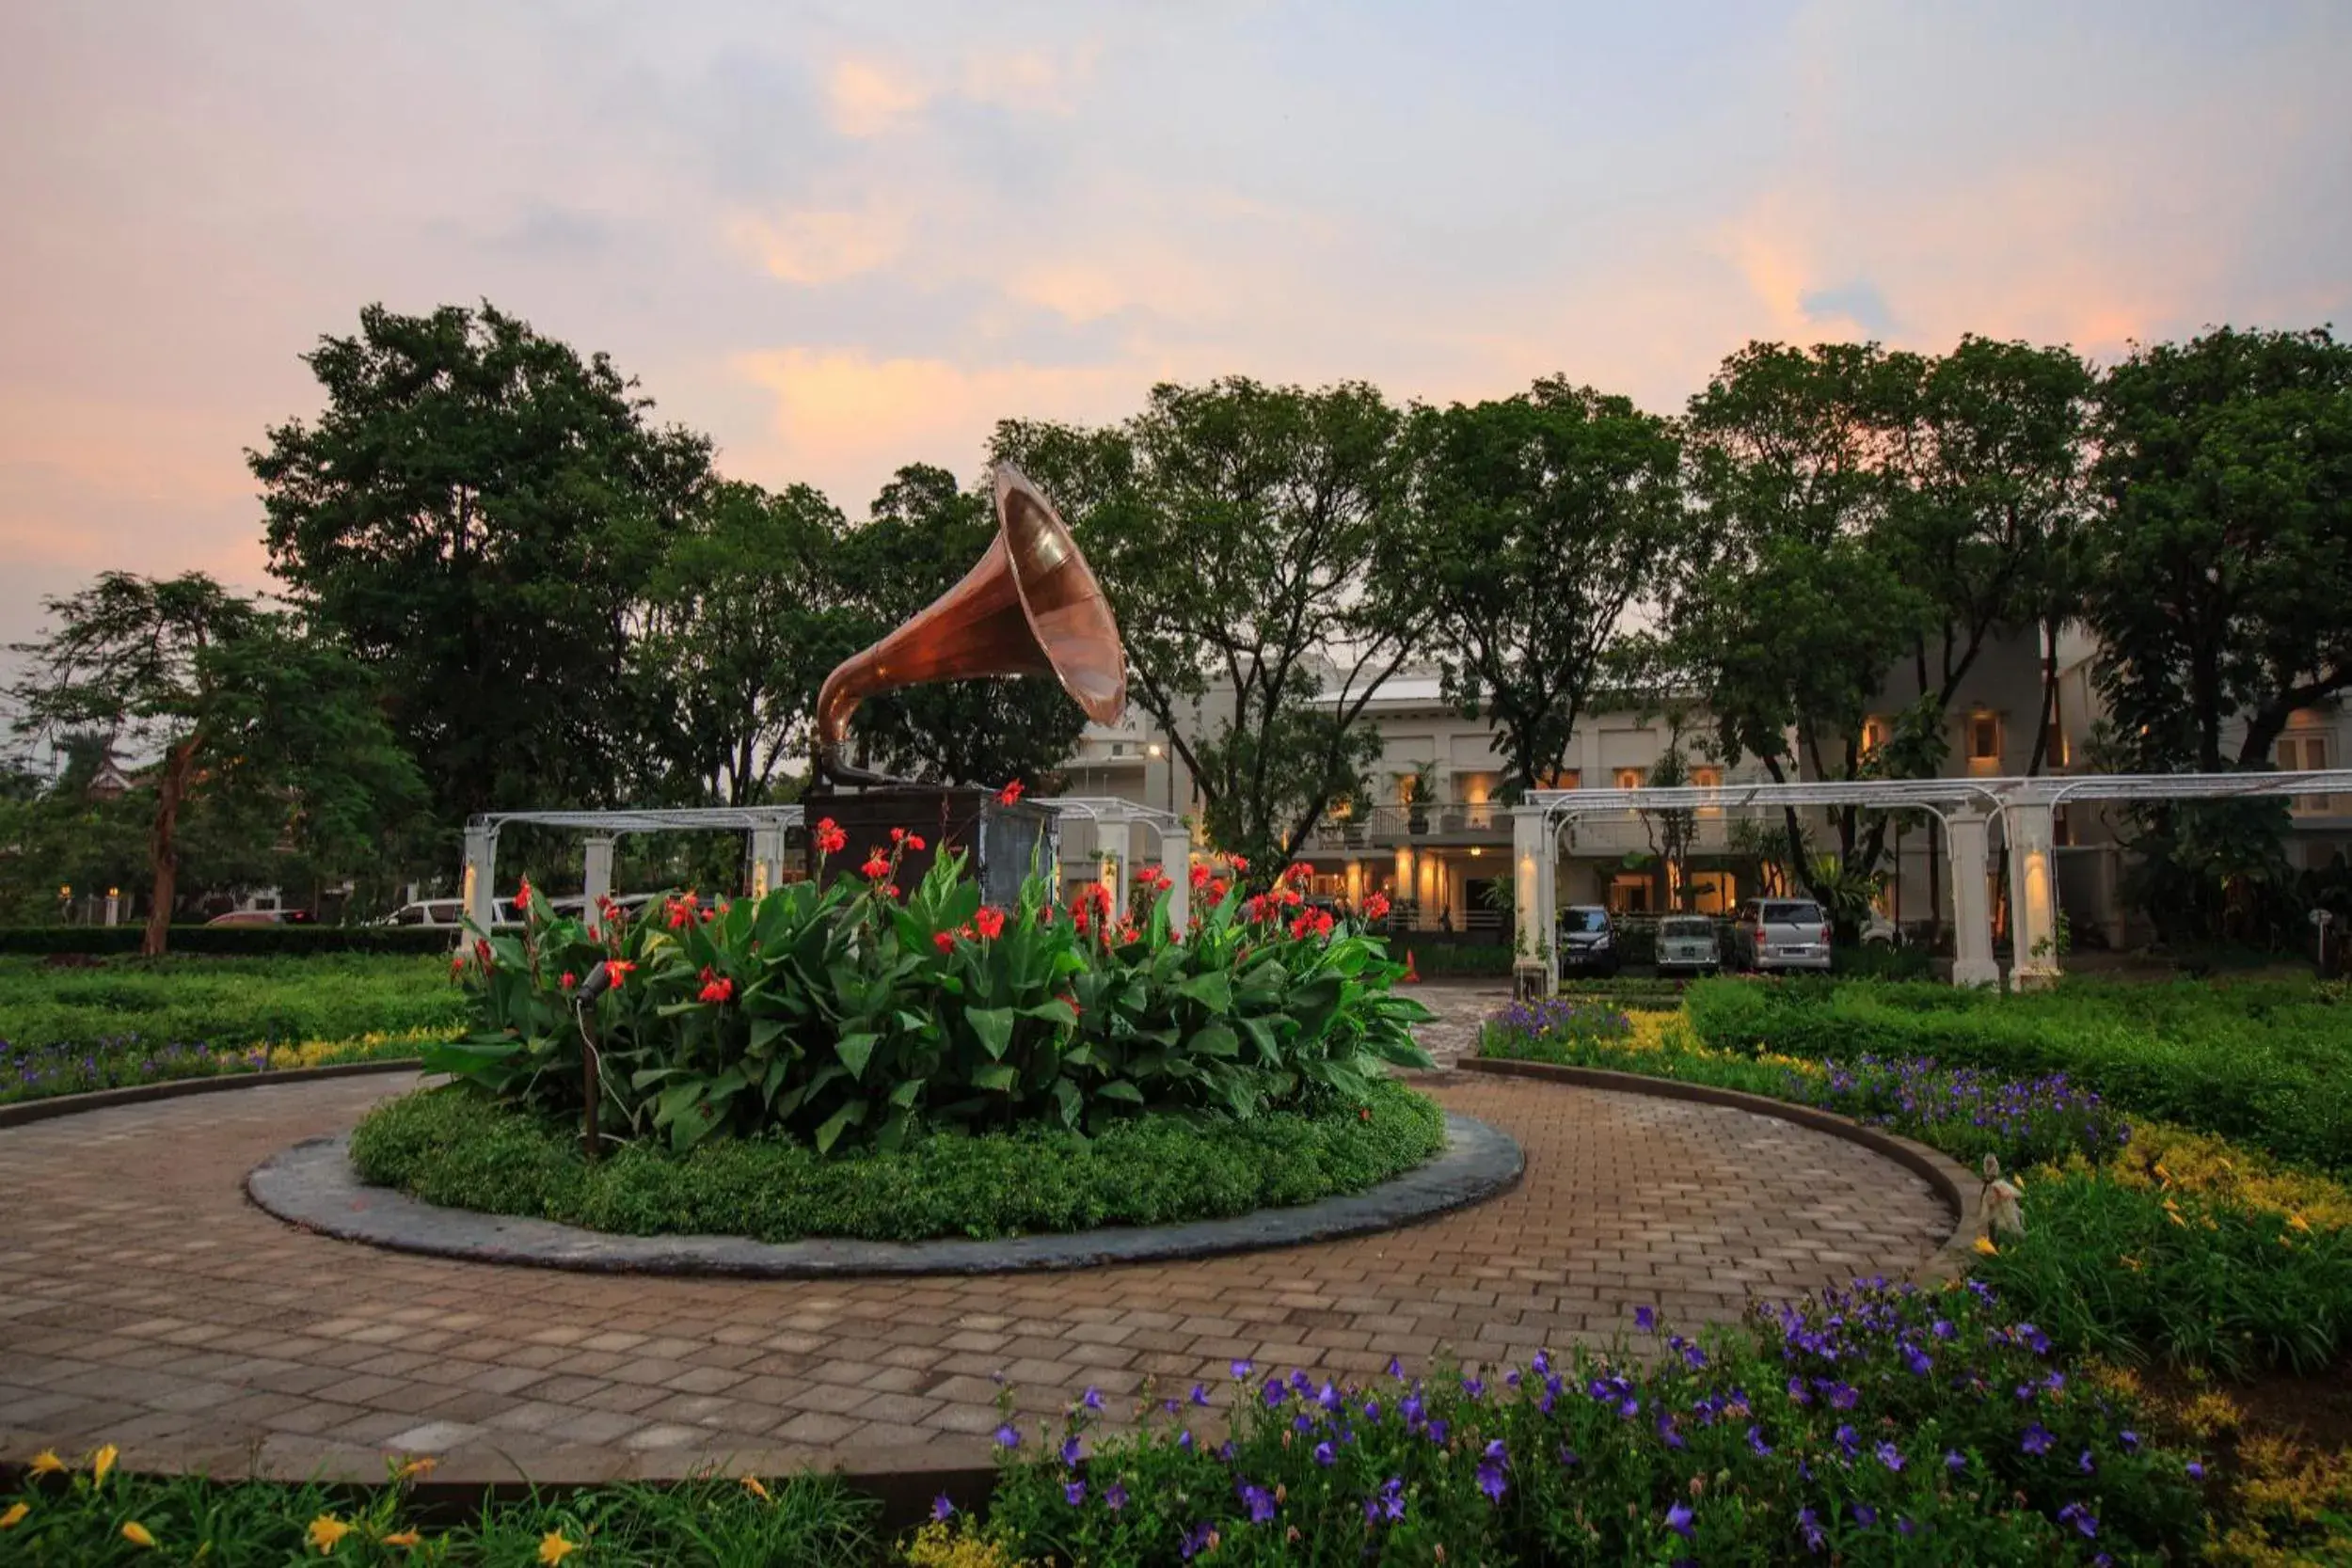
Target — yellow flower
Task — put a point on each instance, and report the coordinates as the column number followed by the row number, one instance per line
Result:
column 751, row 1484
column 324, row 1531
column 402, row 1538
column 553, row 1549
column 2130, row 1262
column 136, row 1534
column 1984, row 1244
column 420, row 1466
column 102, row 1461
column 46, row 1463
column 2298, row 1222
column 14, row 1516
column 2175, row 1216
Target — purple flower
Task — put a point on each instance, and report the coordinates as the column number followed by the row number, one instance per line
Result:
column 1917, row 1360
column 1542, row 1364
column 1092, row 1399
column 1073, row 1492
column 2085, row 1465
column 1198, row 1539
column 1645, row 1318
column 1324, row 1455
column 1113, row 1496
column 2130, row 1441
column 1388, row 1503
column 2081, row 1518
column 1007, row 1436
column 1183, row 1439
column 1475, row 1388
column 1069, row 1449
column 942, row 1510
column 1396, row 1368
column 1259, row 1501
column 1844, row 1438
column 1568, row 1458
column 1865, row 1515
column 2037, row 1440
column 1955, row 1462
column 1890, row 1456
column 1241, row 1369
column 1756, row 1441
column 1490, row 1481
column 1810, row 1523
column 1275, row 1393
column 1678, row 1520
column 1200, row 1395
column 1328, row 1397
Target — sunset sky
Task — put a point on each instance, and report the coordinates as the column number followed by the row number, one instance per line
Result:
column 839, row 238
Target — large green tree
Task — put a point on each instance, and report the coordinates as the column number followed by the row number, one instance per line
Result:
column 2221, row 552
column 922, row 535
column 477, row 513
column 1253, row 541
column 747, row 612
column 244, row 715
column 1555, row 514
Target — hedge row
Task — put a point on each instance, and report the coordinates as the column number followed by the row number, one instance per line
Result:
column 2269, row 1065
column 239, row 941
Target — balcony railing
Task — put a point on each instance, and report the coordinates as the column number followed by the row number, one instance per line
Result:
column 1440, row 822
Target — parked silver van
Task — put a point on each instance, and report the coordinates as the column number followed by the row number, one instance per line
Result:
column 1781, row 933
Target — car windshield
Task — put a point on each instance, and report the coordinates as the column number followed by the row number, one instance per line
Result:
column 1792, row 915
column 1690, row 928
column 1584, row 920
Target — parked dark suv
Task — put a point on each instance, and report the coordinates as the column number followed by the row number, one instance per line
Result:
column 1588, row 940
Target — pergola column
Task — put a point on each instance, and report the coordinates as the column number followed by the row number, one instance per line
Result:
column 2032, row 902
column 1972, row 912
column 476, row 878
column 1176, row 861
column 1533, row 891
column 767, row 858
column 1115, row 839
column 596, row 885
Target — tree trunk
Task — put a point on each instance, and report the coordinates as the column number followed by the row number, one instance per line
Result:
column 164, row 843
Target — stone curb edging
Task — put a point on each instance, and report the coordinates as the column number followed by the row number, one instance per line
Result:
column 312, row 1185
column 49, row 1106
column 1952, row 1182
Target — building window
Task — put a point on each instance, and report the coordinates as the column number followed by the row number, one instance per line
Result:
column 1873, row 735
column 1119, row 748
column 1707, row 778
column 1713, row 893
column 1563, row 778
column 2054, row 751
column 1631, row 777
column 1984, row 742
column 2306, row 754
column 1630, row 892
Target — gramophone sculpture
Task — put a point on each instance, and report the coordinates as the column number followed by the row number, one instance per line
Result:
column 1029, row 606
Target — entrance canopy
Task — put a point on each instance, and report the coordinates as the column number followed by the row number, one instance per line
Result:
column 1965, row 807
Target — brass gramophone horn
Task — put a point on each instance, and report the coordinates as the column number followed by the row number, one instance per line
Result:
column 1030, row 607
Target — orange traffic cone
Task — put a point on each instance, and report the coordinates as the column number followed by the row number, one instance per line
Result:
column 1412, row 975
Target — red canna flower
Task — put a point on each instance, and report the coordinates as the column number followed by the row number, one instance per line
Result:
column 1010, row 794
column 1323, row 923
column 482, row 951
column 1301, row 873
column 1238, row 862
column 944, row 942
column 966, row 932
column 1200, row 877
column 1127, row 932
column 876, row 868
column 990, row 921
column 1045, row 914
column 616, row 970
column 914, row 843
column 892, row 892
column 718, row 991
column 569, row 980
column 522, row 894
column 1376, row 907
column 1216, row 889
column 897, row 836
column 831, row 840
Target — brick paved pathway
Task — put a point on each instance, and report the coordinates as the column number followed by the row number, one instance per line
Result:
column 143, row 1302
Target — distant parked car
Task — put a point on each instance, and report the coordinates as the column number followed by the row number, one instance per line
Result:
column 1588, row 940
column 1781, row 933
column 446, row 914
column 1686, row 942
column 262, row 917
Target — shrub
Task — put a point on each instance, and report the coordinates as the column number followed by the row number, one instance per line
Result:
column 223, row 1004
column 832, row 1011
column 454, row 1147
column 2126, row 1271
column 2266, row 1066
column 1876, row 1425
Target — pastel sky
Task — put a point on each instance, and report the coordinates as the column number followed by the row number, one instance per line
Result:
column 841, row 237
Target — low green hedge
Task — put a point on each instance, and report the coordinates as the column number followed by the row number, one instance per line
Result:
column 454, row 1147
column 238, row 940
column 2268, row 1065
column 1439, row 962
column 221, row 1003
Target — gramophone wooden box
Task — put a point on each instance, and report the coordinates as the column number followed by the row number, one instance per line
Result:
column 1003, row 843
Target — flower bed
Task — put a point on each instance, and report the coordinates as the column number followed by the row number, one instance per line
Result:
column 840, row 1012
column 35, row 1073
column 459, row 1149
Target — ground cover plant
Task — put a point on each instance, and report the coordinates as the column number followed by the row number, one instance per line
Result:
column 2267, row 1065
column 1876, row 1425
column 93, row 1513
column 134, row 1021
column 845, row 1012
column 453, row 1148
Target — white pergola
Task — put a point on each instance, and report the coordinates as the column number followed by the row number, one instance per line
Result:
column 1966, row 808
column 603, row 830
column 1108, row 811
